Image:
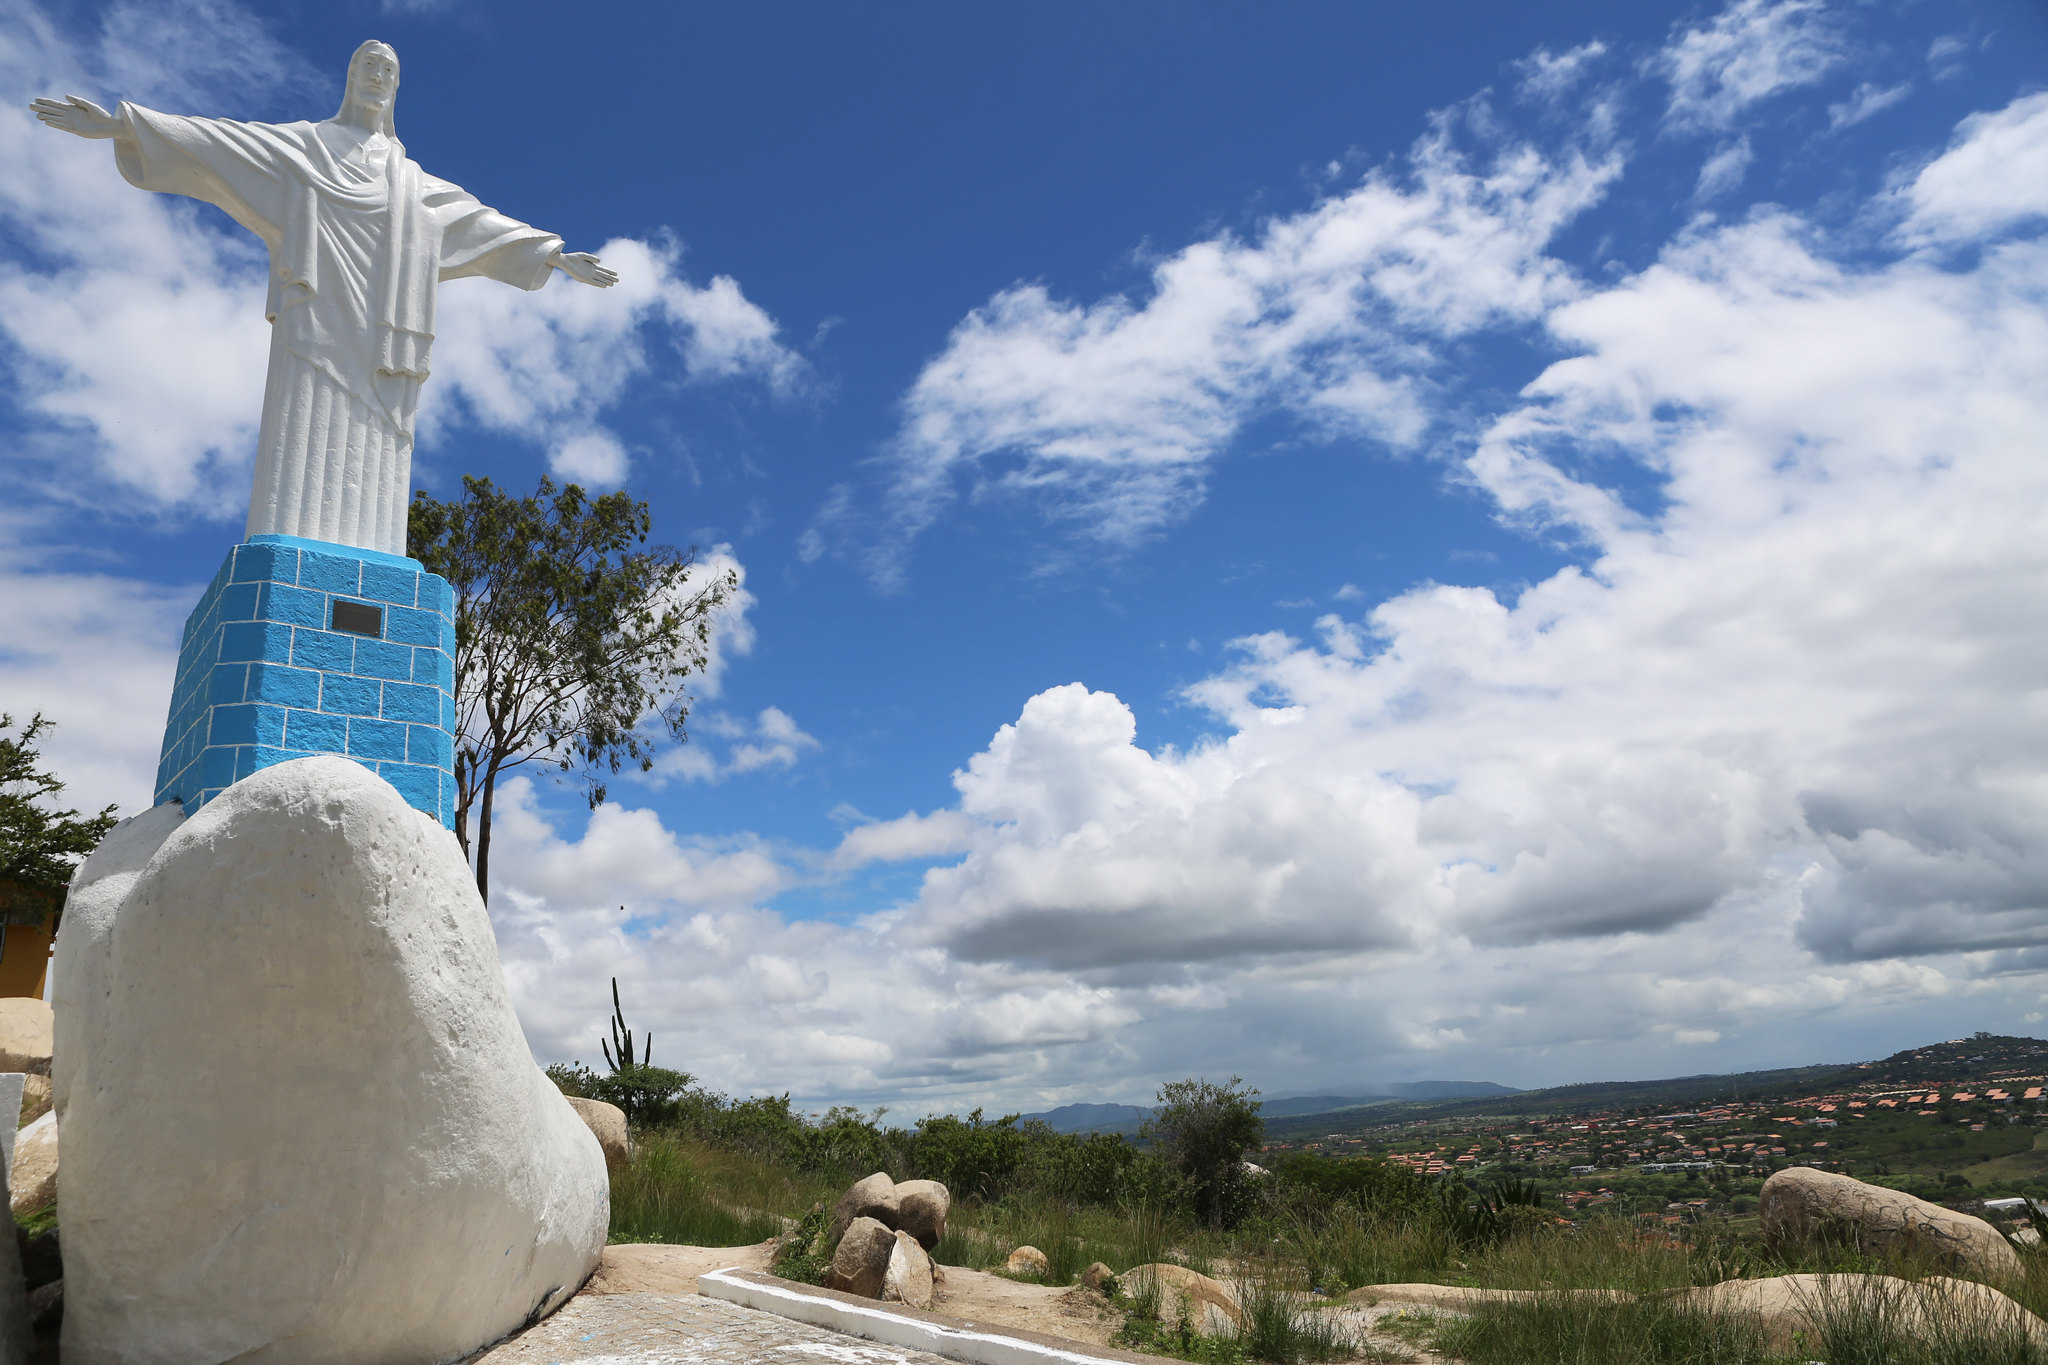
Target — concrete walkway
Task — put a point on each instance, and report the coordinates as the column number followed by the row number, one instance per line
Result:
column 683, row 1329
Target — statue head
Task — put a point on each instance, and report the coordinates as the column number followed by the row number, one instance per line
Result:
column 372, row 86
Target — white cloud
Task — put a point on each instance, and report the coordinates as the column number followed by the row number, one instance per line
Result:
column 1748, row 53
column 1548, row 76
column 771, row 740
column 594, row 459
column 1864, row 101
column 1724, row 170
column 1992, row 177
column 1766, row 759
column 546, row 366
column 732, row 633
column 133, row 328
column 1107, row 414
column 907, row 838
column 95, row 653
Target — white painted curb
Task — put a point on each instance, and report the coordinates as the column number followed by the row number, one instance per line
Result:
column 891, row 1329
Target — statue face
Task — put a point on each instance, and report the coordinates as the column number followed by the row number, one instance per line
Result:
column 373, row 78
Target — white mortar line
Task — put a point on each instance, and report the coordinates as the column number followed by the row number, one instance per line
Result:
column 892, row 1329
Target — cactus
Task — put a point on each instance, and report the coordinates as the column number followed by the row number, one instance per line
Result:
column 619, row 1051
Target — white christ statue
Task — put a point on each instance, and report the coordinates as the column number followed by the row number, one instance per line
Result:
column 359, row 237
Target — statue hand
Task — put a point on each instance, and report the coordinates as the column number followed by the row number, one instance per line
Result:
column 581, row 265
column 75, row 115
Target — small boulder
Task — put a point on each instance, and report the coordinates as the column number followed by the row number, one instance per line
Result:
column 608, row 1123
column 1027, row 1261
column 1799, row 1204
column 32, row 1182
column 26, row 1028
column 1212, row 1302
column 921, row 1209
column 1097, row 1275
column 861, row 1263
column 908, row 1279
column 874, row 1197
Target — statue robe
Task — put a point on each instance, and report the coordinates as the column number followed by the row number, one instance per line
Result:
column 359, row 238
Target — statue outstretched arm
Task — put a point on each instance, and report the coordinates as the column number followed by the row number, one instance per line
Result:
column 73, row 114
column 581, row 265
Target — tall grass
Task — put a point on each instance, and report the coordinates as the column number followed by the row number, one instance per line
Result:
column 1581, row 1329
column 1071, row 1235
column 1865, row 1321
column 673, row 1189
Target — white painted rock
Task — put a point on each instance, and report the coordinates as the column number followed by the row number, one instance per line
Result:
column 908, row 1279
column 607, row 1123
column 25, row 1034
column 32, row 1174
column 300, row 1120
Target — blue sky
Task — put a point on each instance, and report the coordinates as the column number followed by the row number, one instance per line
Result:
column 1330, row 542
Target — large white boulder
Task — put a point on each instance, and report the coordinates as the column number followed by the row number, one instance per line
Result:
column 1799, row 1204
column 300, row 1122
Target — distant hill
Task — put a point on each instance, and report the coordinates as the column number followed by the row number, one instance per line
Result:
column 1094, row 1118
column 1359, row 1096
column 1355, row 1108
column 1125, row 1118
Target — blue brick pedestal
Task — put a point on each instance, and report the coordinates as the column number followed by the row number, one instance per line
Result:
column 300, row 647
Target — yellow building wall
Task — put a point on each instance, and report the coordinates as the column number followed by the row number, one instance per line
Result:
column 24, row 959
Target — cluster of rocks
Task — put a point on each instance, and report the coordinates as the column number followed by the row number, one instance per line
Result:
column 880, row 1238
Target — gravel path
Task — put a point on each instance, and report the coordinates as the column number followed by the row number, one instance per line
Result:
column 683, row 1329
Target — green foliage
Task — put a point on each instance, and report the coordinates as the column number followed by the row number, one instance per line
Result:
column 568, row 633
column 972, row 1157
column 1368, row 1184
column 1203, row 1130
column 801, row 1253
column 39, row 847
column 649, row 1095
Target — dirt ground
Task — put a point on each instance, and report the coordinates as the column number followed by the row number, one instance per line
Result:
column 1078, row 1314
column 1074, row 1313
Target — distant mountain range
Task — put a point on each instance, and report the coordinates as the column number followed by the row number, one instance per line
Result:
column 1126, row 1118
column 1357, row 1108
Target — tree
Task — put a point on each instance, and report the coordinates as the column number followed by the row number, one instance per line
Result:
column 1203, row 1130
column 39, row 847
column 572, row 642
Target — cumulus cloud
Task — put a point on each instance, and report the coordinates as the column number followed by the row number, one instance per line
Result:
column 1107, row 414
column 546, row 366
column 1749, row 52
column 94, row 652
column 1993, row 177
column 1765, row 756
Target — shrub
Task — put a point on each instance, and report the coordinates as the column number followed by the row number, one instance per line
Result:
column 1203, row 1130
